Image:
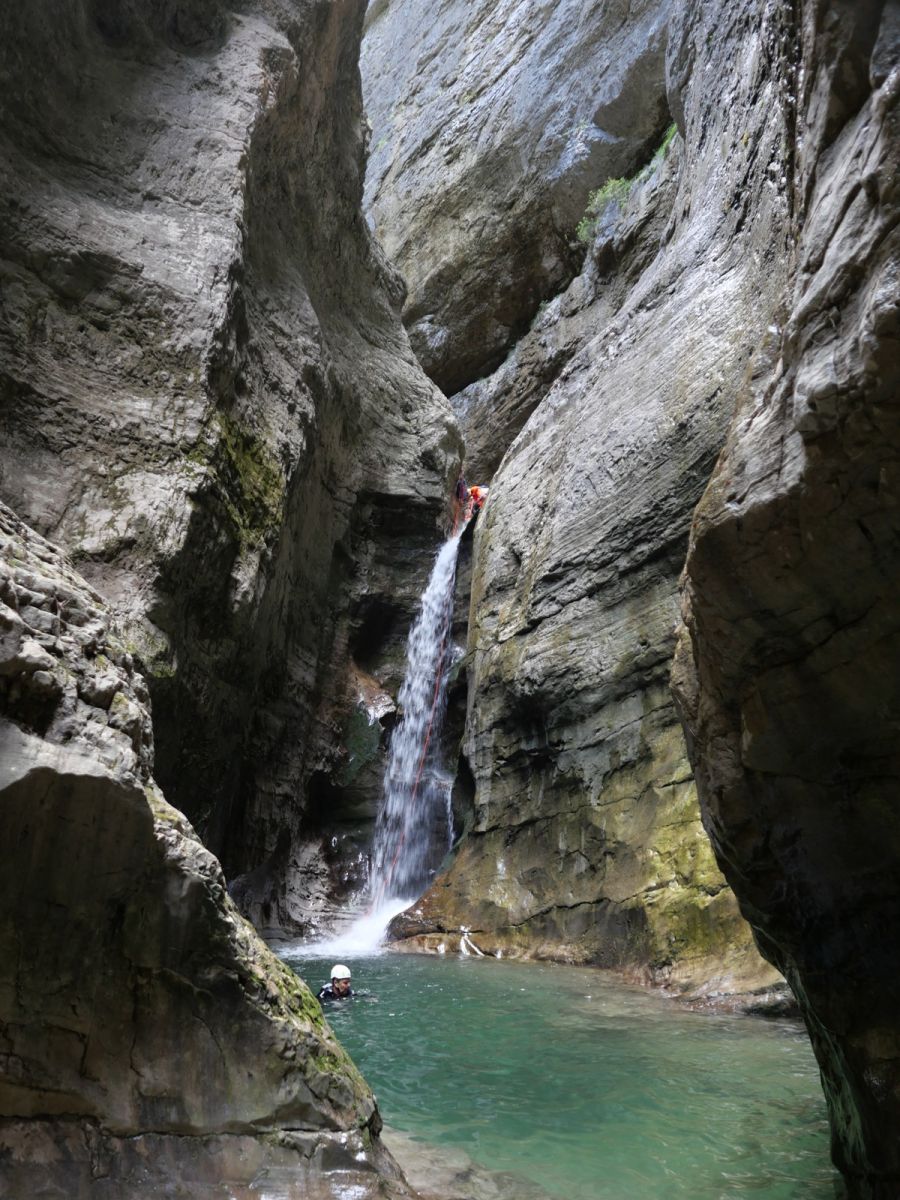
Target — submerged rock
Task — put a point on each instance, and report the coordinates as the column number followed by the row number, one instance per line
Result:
column 151, row 1041
column 80, row 1159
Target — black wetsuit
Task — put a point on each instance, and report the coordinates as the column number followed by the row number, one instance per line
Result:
column 328, row 993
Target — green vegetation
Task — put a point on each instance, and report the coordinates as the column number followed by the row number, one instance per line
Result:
column 151, row 650
column 250, row 483
column 256, row 508
column 295, row 995
column 329, row 1063
column 660, row 152
column 618, row 190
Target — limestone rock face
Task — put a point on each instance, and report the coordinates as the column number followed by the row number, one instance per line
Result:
column 627, row 231
column 789, row 678
column 205, row 394
column 490, row 124
column 148, row 1035
column 586, row 841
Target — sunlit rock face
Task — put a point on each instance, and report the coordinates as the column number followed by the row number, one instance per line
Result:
column 789, row 676
column 151, row 1042
column 205, row 394
column 490, row 124
column 586, row 841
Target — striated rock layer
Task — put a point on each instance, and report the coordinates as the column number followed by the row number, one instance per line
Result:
column 149, row 1039
column 586, row 841
column 490, row 124
column 207, row 398
column 788, row 680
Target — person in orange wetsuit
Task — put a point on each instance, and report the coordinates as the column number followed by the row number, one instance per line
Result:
column 477, row 497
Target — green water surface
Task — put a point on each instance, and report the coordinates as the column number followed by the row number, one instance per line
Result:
column 586, row 1087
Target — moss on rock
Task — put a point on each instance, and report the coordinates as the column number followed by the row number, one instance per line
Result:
column 245, row 477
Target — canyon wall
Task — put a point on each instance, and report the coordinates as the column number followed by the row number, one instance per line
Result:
column 490, row 123
column 207, row 399
column 788, row 678
column 584, row 840
column 151, row 1044
column 740, row 291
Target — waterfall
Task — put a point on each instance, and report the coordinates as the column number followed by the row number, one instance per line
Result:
column 414, row 827
column 411, row 833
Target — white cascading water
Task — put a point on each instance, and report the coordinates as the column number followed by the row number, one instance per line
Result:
column 412, row 822
column 414, row 828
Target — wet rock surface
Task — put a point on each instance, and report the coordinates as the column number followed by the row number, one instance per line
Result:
column 148, row 1034
column 490, row 125
column 443, row 1173
column 205, row 394
column 788, row 676
column 291, row 1165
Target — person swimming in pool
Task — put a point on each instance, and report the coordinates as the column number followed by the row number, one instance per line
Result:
column 339, row 988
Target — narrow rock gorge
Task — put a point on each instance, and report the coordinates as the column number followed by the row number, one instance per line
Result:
column 207, row 399
column 585, row 841
column 210, row 408
column 248, row 249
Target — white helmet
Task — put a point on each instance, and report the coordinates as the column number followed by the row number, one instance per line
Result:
column 339, row 971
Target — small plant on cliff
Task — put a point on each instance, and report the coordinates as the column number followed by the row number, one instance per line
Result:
column 613, row 189
column 618, row 190
column 661, row 149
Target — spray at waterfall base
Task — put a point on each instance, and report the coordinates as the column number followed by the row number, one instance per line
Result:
column 414, row 826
